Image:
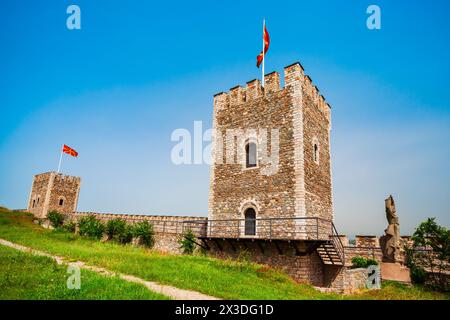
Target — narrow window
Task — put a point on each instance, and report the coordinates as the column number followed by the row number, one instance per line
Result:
column 38, row 200
column 250, row 222
column 34, row 203
column 61, row 202
column 316, row 151
column 250, row 155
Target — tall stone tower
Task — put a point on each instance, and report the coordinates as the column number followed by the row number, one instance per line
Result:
column 301, row 184
column 53, row 191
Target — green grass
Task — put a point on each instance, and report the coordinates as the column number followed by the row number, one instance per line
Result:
column 221, row 278
column 25, row 276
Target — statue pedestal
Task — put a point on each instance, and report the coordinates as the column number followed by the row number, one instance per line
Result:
column 395, row 272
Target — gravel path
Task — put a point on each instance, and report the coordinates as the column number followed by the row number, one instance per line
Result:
column 169, row 291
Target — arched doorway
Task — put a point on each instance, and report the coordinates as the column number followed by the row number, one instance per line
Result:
column 250, row 222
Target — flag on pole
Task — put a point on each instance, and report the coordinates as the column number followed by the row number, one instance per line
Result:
column 70, row 151
column 266, row 42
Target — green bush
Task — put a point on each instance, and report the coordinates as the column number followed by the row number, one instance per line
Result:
column 371, row 262
column 115, row 228
column 361, row 262
column 143, row 231
column 70, row 226
column 127, row 235
column 91, row 227
column 418, row 275
column 56, row 219
column 187, row 242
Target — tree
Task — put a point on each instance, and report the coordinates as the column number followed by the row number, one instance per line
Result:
column 430, row 253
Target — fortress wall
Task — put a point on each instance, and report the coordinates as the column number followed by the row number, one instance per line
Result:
column 365, row 252
column 306, row 269
column 168, row 229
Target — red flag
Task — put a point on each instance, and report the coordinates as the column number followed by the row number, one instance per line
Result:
column 69, row 150
column 266, row 38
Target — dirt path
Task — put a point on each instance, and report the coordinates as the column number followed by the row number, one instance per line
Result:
column 169, row 291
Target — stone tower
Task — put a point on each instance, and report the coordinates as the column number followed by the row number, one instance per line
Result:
column 301, row 184
column 53, row 191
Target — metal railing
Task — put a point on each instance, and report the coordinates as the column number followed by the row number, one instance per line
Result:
column 337, row 243
column 289, row 228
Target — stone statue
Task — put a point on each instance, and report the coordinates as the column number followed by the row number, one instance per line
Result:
column 390, row 242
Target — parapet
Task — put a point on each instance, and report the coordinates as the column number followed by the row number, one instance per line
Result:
column 293, row 76
column 57, row 177
column 67, row 178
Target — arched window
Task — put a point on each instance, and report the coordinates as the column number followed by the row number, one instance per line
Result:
column 34, row 203
column 250, row 155
column 250, row 222
column 61, row 201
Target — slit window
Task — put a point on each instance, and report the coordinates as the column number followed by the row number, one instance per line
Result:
column 316, row 151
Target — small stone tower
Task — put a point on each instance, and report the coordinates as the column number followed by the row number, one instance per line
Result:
column 301, row 186
column 53, row 191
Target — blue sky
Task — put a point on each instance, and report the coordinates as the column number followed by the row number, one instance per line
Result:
column 116, row 89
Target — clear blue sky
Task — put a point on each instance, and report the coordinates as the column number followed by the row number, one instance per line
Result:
column 117, row 88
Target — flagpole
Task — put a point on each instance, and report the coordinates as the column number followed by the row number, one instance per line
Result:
column 263, row 47
column 60, row 158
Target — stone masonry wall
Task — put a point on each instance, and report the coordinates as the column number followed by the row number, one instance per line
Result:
column 367, row 241
column 38, row 193
column 65, row 188
column 317, row 125
column 53, row 191
column 365, row 252
column 306, row 269
column 234, row 188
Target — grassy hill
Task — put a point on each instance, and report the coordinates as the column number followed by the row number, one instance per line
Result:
column 26, row 276
column 221, row 278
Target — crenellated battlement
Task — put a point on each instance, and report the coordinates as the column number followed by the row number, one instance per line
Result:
column 293, row 76
column 66, row 178
column 58, row 177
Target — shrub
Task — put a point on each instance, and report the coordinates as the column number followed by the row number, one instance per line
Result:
column 143, row 231
column 70, row 226
column 56, row 219
column 371, row 262
column 187, row 242
column 115, row 228
column 361, row 262
column 418, row 274
column 91, row 227
column 127, row 234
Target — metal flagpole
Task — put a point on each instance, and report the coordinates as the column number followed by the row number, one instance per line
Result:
column 263, row 47
column 60, row 158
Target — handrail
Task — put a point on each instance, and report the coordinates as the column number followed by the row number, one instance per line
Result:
column 338, row 243
column 290, row 228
